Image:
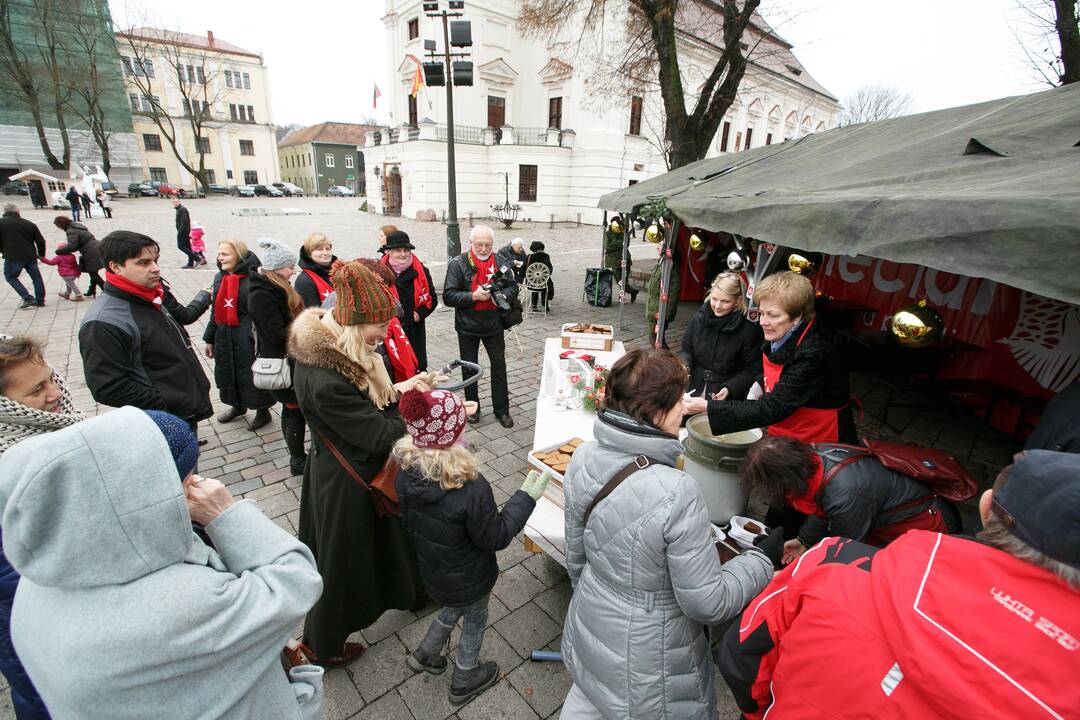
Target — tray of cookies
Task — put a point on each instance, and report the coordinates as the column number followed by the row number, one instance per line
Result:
column 555, row 459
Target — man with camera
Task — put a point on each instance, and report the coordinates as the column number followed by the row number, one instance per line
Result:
column 484, row 297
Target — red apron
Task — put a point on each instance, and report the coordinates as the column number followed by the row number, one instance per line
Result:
column 810, row 425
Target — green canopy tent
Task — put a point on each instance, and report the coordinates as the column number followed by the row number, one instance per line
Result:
column 989, row 190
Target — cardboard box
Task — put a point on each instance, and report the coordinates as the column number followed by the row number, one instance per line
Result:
column 588, row 341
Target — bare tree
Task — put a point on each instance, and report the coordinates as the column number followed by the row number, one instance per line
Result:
column 283, row 131
column 1048, row 32
column 36, row 73
column 196, row 77
column 90, row 89
column 874, row 102
column 642, row 45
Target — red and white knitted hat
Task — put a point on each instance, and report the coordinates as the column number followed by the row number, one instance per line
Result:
column 434, row 418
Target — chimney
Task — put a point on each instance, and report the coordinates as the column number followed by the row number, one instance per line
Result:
column 210, row 37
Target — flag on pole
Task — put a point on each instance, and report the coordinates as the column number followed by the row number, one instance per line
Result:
column 418, row 82
column 375, row 98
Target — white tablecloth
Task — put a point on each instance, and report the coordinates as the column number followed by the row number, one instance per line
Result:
column 554, row 425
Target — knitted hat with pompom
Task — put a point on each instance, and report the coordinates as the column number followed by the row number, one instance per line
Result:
column 362, row 298
column 434, row 418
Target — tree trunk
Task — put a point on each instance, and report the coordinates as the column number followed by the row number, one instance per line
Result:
column 1069, row 35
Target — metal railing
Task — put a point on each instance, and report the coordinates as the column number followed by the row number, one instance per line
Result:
column 464, row 134
column 530, row 136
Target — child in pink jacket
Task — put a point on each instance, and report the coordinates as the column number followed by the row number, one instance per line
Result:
column 198, row 245
column 67, row 266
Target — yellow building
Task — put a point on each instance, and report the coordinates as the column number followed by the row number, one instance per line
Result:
column 170, row 76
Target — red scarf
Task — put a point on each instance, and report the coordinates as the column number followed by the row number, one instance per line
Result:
column 321, row 285
column 421, row 291
column 807, row 502
column 152, row 296
column 399, row 350
column 226, row 311
column 484, row 270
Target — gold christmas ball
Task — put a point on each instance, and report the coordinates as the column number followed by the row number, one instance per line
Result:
column 916, row 325
column 696, row 243
column 803, row 265
column 653, row 234
column 616, row 227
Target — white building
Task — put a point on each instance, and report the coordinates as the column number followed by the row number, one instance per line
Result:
column 534, row 119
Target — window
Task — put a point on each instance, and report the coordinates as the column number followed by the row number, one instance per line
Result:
column 200, row 76
column 329, row 160
column 526, row 183
column 211, row 177
column 152, row 142
column 126, row 62
column 635, row 115
column 134, row 66
column 158, row 174
column 205, row 109
column 228, row 174
column 768, row 139
column 749, row 135
column 228, row 78
column 203, row 144
column 232, row 110
column 555, row 112
column 243, row 113
column 496, row 115
column 412, row 111
column 247, row 81
column 134, row 99
column 247, row 147
column 187, row 107
column 738, row 141
column 349, row 161
column 414, row 28
column 251, row 177
column 146, row 104
column 724, row 137
column 251, row 114
column 148, row 68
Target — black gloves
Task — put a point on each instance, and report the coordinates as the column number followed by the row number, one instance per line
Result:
column 772, row 544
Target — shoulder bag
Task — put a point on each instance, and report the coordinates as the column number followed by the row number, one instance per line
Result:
column 270, row 373
column 381, row 489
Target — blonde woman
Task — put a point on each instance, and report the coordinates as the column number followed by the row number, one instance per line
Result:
column 230, row 340
column 721, row 348
column 313, row 282
column 456, row 527
column 367, row 562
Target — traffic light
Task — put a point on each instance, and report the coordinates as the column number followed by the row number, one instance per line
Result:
column 434, row 74
column 463, row 73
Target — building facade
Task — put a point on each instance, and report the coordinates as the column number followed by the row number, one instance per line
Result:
column 172, row 75
column 84, row 44
column 535, row 130
column 318, row 157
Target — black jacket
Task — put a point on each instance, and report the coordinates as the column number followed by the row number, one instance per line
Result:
column 815, row 375
column 457, row 293
column 414, row 329
column 20, row 239
column 82, row 241
column 544, row 259
column 305, row 285
column 721, row 352
column 1059, row 425
column 135, row 354
column 183, row 223
column 506, row 256
column 859, row 498
column 268, row 306
column 457, row 533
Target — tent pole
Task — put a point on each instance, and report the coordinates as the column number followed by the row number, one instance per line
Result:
column 665, row 281
column 625, row 282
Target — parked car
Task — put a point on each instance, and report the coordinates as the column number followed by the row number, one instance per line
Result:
column 268, row 190
column 216, row 189
column 242, row 191
column 169, row 190
column 14, row 187
column 142, row 189
column 339, row 191
column 110, row 189
column 289, row 189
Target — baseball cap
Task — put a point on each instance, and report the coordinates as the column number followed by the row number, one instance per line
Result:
column 1039, row 502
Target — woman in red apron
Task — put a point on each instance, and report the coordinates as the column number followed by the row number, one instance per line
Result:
column 804, row 378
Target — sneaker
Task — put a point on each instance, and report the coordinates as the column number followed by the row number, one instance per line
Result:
column 468, row 684
column 421, row 662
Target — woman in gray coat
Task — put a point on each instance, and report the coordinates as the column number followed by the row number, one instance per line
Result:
column 645, row 571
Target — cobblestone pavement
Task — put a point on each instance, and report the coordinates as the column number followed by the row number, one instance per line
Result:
column 530, row 599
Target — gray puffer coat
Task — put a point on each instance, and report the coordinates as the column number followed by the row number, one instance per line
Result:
column 646, row 578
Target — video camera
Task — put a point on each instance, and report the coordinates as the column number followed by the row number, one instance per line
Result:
column 501, row 279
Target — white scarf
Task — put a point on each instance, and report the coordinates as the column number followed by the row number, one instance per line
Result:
column 18, row 421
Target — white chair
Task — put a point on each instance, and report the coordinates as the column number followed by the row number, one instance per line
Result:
column 536, row 284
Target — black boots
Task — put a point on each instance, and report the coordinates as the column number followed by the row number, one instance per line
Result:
column 231, row 414
column 261, row 420
column 292, row 428
column 467, row 684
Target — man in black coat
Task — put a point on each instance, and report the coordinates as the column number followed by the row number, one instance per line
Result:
column 477, row 319
column 183, row 234
column 21, row 244
column 133, row 347
column 1059, row 425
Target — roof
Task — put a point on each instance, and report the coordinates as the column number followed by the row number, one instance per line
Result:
column 338, row 133
column 201, row 42
column 34, row 174
column 986, row 190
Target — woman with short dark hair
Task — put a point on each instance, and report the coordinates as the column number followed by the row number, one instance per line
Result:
column 81, row 240
column 646, row 575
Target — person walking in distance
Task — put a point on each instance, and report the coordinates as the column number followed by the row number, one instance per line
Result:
column 87, row 204
column 477, row 318
column 183, row 234
column 105, row 202
column 21, row 244
column 75, row 201
column 82, row 241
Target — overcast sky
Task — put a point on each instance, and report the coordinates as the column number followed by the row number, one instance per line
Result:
column 324, row 56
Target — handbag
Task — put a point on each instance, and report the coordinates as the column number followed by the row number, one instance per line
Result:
column 381, row 489
column 271, row 373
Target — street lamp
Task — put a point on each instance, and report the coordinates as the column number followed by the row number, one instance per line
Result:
column 440, row 72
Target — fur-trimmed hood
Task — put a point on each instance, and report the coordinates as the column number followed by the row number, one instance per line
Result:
column 311, row 343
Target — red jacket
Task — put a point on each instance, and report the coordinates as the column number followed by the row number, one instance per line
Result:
column 933, row 626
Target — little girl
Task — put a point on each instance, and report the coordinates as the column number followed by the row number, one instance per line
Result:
column 198, row 245
column 67, row 267
column 450, row 512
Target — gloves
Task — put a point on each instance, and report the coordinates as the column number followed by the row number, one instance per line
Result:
column 535, row 483
column 772, row 545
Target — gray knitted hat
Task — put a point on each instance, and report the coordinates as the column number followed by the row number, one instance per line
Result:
column 275, row 255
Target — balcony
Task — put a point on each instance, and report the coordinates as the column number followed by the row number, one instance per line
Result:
column 473, row 135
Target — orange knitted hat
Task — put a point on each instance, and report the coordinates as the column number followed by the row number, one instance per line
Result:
column 362, row 298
